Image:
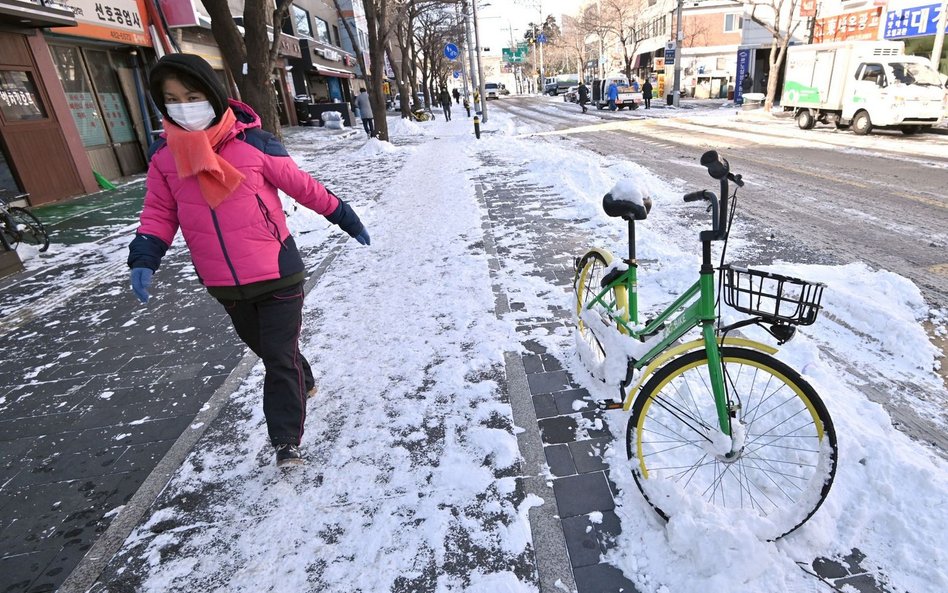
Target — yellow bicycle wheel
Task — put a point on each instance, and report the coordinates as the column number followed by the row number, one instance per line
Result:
column 781, row 463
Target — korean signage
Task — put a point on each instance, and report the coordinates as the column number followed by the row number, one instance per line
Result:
column 121, row 21
column 516, row 55
column 849, row 26
column 808, row 8
column 743, row 68
column 912, row 21
column 19, row 100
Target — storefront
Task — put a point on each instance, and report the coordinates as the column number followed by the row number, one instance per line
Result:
column 40, row 150
column 323, row 73
column 100, row 67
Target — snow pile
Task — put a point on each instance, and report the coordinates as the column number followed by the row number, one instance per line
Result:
column 399, row 126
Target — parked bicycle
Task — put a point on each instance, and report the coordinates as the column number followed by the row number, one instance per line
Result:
column 716, row 417
column 421, row 114
column 19, row 225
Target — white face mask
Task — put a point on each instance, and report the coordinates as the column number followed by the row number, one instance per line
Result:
column 192, row 116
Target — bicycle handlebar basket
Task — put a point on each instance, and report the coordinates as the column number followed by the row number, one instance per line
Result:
column 773, row 297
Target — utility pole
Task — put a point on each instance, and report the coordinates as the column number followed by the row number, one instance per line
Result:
column 940, row 36
column 679, row 37
column 457, row 12
column 470, row 46
column 480, row 66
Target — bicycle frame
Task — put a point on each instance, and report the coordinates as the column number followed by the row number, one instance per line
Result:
column 696, row 306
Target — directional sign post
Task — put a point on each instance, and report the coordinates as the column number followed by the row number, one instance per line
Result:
column 451, row 51
column 541, row 38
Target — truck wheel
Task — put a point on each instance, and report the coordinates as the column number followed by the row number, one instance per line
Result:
column 805, row 119
column 862, row 125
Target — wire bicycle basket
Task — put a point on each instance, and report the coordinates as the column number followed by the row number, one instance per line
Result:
column 773, row 297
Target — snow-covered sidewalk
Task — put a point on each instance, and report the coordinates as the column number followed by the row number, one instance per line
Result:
column 413, row 479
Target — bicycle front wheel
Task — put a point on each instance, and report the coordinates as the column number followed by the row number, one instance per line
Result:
column 780, row 464
column 31, row 230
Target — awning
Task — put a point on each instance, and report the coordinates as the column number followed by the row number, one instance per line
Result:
column 22, row 13
column 335, row 72
column 650, row 45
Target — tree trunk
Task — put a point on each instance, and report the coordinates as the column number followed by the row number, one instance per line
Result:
column 375, row 17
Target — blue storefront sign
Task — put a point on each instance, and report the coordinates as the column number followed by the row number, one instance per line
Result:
column 743, row 67
column 912, row 21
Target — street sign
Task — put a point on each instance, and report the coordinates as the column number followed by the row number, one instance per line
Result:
column 457, row 74
column 514, row 56
column 451, row 51
column 669, row 56
column 541, row 38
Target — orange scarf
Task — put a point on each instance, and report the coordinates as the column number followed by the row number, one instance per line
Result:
column 194, row 155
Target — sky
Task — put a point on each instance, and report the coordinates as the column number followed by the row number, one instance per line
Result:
column 498, row 17
column 410, row 442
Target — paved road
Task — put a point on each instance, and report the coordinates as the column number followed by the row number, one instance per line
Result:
column 838, row 197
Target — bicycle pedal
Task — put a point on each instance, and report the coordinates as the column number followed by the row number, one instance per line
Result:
column 609, row 404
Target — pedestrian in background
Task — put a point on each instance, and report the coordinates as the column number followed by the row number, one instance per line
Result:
column 747, row 84
column 365, row 109
column 647, row 93
column 613, row 94
column 467, row 106
column 445, row 99
column 457, row 96
column 583, row 92
column 215, row 174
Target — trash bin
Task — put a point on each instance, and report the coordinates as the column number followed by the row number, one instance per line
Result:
column 670, row 99
column 303, row 115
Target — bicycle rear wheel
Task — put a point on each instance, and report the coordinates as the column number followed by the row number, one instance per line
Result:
column 31, row 230
column 784, row 465
column 586, row 287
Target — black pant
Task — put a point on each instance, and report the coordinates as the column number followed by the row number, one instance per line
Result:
column 369, row 124
column 270, row 326
column 582, row 103
column 447, row 111
column 648, row 101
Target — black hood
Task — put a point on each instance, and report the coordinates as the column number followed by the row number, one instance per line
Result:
column 195, row 70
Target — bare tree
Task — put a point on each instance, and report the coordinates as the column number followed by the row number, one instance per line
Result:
column 379, row 22
column 782, row 26
column 621, row 19
column 573, row 41
column 253, row 49
column 356, row 47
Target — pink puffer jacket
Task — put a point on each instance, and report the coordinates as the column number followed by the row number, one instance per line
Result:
column 245, row 239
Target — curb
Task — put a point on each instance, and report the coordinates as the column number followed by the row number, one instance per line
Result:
column 87, row 572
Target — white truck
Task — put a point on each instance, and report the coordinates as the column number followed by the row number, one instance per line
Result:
column 863, row 84
column 628, row 96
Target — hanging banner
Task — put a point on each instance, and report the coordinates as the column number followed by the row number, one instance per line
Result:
column 849, row 26
column 743, row 68
column 121, row 21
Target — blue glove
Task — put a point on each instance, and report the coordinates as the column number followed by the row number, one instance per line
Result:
column 363, row 237
column 141, row 281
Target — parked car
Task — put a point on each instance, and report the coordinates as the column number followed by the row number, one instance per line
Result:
column 419, row 101
column 572, row 94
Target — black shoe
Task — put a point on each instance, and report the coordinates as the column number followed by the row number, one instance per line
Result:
column 288, row 454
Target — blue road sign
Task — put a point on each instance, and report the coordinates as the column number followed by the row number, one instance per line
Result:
column 451, row 51
column 541, row 38
column 457, row 74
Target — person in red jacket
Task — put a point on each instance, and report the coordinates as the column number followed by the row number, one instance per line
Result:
column 215, row 174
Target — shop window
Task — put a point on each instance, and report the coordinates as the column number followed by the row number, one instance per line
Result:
column 322, row 30
column 19, row 99
column 114, row 111
column 79, row 95
column 301, row 19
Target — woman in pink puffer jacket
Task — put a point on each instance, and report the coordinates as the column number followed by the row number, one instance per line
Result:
column 215, row 174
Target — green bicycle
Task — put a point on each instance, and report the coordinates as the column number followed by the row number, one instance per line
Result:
column 717, row 417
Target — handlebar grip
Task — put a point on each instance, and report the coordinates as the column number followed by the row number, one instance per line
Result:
column 697, row 195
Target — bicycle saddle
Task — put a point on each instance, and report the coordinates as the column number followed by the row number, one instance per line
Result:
column 626, row 206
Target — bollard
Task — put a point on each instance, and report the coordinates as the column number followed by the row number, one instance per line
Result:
column 477, row 127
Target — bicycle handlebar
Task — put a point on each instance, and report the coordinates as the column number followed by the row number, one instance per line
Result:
column 719, row 169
